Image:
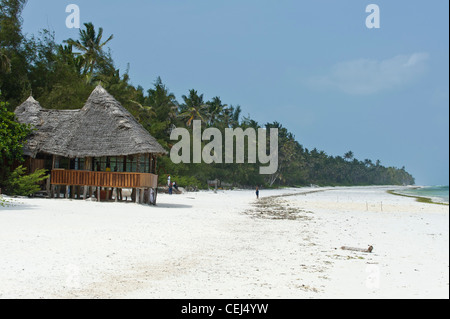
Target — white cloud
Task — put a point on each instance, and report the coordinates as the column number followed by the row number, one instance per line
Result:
column 364, row 76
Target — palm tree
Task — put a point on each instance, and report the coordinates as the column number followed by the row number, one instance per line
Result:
column 368, row 162
column 65, row 52
column 215, row 110
column 349, row 155
column 163, row 102
column 235, row 114
column 248, row 122
column 193, row 108
column 91, row 46
column 148, row 110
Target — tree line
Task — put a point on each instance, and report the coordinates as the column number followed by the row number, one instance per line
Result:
column 62, row 76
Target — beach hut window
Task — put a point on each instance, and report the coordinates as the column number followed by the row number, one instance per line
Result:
column 146, row 163
column 79, row 164
column 101, row 163
column 48, row 163
column 57, row 162
column 131, row 163
column 143, row 163
column 117, row 164
column 64, row 163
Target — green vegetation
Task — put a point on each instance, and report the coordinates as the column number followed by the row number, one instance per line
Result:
column 420, row 199
column 61, row 76
column 3, row 202
column 22, row 184
column 12, row 138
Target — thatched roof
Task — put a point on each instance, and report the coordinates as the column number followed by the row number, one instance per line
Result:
column 103, row 127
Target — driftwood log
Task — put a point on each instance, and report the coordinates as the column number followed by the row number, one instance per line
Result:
column 366, row 250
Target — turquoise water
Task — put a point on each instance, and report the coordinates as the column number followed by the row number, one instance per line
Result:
column 437, row 193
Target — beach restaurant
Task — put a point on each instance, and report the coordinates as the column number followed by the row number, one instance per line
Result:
column 99, row 151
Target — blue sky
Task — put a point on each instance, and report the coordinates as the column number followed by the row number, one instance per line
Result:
column 314, row 66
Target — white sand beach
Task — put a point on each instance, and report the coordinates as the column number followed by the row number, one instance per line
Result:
column 207, row 245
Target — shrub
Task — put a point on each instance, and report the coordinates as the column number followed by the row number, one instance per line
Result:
column 22, row 184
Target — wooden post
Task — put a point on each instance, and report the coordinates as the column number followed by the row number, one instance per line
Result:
column 99, row 196
column 150, row 158
column 116, row 197
column 138, row 163
column 52, row 187
column 138, row 197
column 87, row 167
column 153, row 167
column 47, row 186
column 141, row 200
column 53, row 162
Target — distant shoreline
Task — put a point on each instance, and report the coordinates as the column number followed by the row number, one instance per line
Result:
column 420, row 199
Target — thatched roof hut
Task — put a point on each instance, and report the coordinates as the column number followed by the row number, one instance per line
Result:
column 82, row 147
column 103, row 127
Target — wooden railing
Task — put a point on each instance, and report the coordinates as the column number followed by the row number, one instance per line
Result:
column 103, row 179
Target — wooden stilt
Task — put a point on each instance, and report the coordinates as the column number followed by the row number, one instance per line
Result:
column 151, row 194
column 141, row 199
column 87, row 167
column 138, row 197
column 48, row 187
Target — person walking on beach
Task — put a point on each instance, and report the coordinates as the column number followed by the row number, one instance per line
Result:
column 170, row 188
column 257, row 192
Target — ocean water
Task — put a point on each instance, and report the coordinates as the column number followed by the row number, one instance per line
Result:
column 437, row 193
